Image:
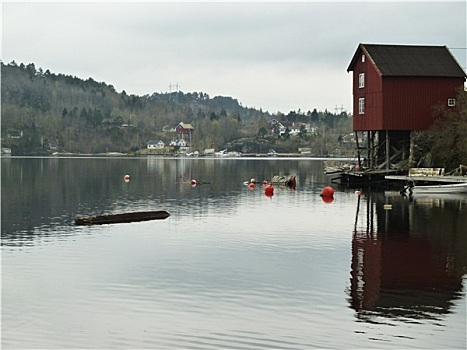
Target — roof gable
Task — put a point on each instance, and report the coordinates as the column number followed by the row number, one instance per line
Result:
column 410, row 60
column 185, row 126
column 153, row 142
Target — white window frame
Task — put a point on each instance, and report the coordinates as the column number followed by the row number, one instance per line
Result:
column 363, row 58
column 361, row 80
column 361, row 105
column 451, row 102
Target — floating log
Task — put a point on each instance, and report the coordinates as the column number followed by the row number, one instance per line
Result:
column 121, row 218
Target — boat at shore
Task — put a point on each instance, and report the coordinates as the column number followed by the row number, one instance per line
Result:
column 411, row 188
column 432, row 181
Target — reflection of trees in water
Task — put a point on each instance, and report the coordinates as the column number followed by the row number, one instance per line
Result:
column 408, row 261
column 42, row 194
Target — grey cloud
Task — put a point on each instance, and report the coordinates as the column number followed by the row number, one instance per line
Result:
column 278, row 56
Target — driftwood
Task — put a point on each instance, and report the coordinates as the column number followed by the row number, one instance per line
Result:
column 121, row 218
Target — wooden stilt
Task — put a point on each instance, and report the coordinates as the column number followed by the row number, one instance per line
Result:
column 388, row 150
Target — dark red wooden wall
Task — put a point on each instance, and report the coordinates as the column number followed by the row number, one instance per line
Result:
column 398, row 103
column 373, row 94
column 408, row 103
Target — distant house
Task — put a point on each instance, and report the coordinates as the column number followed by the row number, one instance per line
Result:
column 51, row 143
column 15, row 134
column 273, row 122
column 295, row 128
column 179, row 144
column 155, row 144
column 311, row 129
column 183, row 129
column 304, row 150
column 276, row 126
column 395, row 89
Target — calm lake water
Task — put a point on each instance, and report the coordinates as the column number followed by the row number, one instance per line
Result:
column 231, row 267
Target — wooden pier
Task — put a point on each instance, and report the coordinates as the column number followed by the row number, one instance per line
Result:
column 360, row 179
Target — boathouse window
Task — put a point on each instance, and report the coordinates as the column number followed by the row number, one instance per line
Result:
column 451, row 102
column 361, row 80
column 361, row 105
column 363, row 58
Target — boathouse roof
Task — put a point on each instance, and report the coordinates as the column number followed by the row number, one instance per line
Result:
column 410, row 60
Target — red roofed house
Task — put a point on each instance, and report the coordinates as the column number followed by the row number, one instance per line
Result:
column 184, row 129
column 395, row 88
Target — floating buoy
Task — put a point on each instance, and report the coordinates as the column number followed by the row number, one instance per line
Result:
column 251, row 185
column 269, row 190
column 127, row 177
column 193, row 182
column 358, row 192
column 327, row 192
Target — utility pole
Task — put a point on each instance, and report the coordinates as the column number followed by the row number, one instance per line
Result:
column 176, row 89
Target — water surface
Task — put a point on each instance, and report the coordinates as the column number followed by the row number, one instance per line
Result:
column 231, row 267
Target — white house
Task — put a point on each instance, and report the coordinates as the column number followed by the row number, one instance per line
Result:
column 155, row 144
column 179, row 144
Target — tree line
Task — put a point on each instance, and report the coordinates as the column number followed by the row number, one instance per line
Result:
column 44, row 111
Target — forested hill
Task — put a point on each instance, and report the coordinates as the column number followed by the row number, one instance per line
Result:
column 87, row 116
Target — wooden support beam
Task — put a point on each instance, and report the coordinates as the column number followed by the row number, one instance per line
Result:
column 387, row 163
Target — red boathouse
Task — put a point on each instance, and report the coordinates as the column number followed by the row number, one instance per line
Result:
column 395, row 89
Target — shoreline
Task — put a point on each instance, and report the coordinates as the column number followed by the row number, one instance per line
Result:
column 182, row 156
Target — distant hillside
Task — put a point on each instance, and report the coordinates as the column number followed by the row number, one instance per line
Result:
column 87, row 116
column 44, row 112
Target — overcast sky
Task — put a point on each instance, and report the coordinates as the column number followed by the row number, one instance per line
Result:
column 270, row 55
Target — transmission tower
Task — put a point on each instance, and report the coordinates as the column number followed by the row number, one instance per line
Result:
column 174, row 90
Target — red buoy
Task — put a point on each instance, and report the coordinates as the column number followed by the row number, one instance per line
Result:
column 327, row 192
column 193, row 183
column 251, row 185
column 269, row 190
column 327, row 199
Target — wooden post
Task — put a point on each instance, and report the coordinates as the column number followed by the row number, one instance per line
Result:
column 358, row 150
column 368, row 151
column 371, row 152
column 387, row 151
column 411, row 150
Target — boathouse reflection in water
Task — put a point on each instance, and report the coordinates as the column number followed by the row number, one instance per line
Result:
column 408, row 256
